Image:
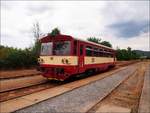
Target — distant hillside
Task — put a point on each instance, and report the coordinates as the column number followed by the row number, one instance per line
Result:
column 143, row 53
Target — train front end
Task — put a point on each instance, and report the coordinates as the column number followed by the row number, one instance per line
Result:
column 56, row 59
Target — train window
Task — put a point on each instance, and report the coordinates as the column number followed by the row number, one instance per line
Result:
column 96, row 52
column 111, row 54
column 46, row 48
column 75, row 48
column 62, row 48
column 100, row 52
column 81, row 49
column 104, row 54
column 88, row 51
column 107, row 54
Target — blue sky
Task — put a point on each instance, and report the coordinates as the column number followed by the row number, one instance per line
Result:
column 123, row 23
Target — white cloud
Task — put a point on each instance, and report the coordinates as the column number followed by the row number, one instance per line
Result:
column 77, row 18
column 139, row 42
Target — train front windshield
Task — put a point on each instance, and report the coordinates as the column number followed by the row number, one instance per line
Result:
column 46, row 48
column 56, row 48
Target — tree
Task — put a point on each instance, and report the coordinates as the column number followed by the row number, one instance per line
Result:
column 130, row 53
column 126, row 54
column 36, row 30
column 11, row 58
column 98, row 41
column 129, row 49
column 93, row 39
column 106, row 43
column 36, row 33
column 54, row 32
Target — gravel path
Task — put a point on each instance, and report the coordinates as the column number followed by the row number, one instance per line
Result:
column 83, row 98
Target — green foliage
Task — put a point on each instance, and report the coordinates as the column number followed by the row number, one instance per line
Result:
column 54, row 32
column 126, row 54
column 106, row 43
column 11, row 58
column 121, row 54
column 95, row 40
column 36, row 49
column 98, row 41
column 36, row 34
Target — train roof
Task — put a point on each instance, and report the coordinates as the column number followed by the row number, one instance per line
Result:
column 80, row 39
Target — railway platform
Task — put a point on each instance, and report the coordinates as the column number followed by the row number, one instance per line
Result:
column 144, row 105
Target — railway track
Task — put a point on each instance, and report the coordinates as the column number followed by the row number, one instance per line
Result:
column 49, row 93
column 21, row 82
column 7, row 95
column 18, row 73
column 12, row 91
column 14, row 82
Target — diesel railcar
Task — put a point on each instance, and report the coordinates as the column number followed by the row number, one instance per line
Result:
column 63, row 56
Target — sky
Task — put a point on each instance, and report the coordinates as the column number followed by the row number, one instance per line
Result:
column 122, row 23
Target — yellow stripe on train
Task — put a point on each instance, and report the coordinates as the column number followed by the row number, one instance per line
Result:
column 59, row 60
column 98, row 60
column 72, row 60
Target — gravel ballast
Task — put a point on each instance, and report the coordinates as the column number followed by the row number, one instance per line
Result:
column 83, row 98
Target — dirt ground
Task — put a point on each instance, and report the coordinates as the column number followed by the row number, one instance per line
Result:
column 127, row 95
column 125, row 63
column 24, row 91
column 18, row 73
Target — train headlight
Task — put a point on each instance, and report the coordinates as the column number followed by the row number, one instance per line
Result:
column 68, row 61
column 40, row 60
column 65, row 61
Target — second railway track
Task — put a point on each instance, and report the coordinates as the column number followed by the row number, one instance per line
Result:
column 13, row 82
column 21, row 82
column 12, row 91
column 25, row 90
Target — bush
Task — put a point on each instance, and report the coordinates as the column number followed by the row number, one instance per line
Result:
column 126, row 54
column 16, row 58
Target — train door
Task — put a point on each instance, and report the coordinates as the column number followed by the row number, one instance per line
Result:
column 81, row 57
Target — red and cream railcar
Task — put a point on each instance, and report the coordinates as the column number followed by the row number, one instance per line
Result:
column 63, row 56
